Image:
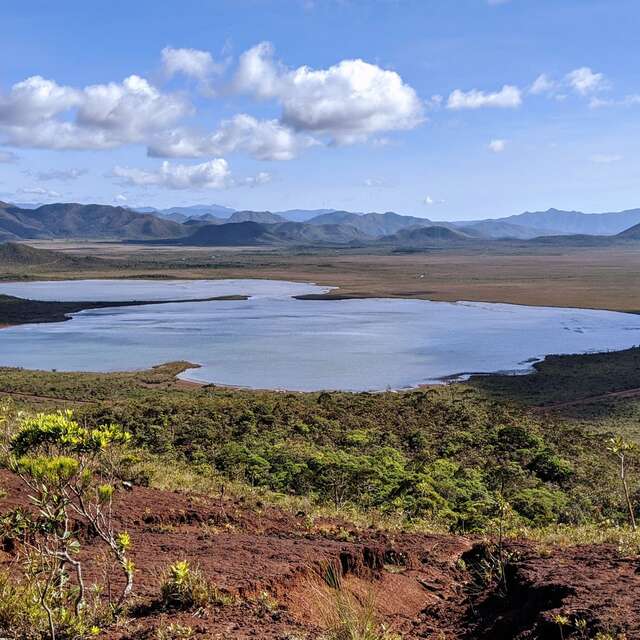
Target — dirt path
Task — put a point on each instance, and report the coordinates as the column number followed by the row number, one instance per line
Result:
column 612, row 395
column 30, row 396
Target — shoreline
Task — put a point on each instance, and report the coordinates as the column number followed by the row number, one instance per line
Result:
column 180, row 381
column 333, row 293
column 18, row 311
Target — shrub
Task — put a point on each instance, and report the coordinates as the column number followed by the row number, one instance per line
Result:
column 540, row 506
column 70, row 472
column 23, row 618
column 186, row 588
column 174, row 631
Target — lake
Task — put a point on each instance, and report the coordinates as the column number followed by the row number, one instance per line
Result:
column 274, row 341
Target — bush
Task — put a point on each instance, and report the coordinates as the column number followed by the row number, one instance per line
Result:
column 540, row 506
column 70, row 474
column 23, row 618
column 187, row 588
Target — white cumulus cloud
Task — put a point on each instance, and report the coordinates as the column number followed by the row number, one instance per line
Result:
column 542, row 84
column 189, row 62
column 509, row 97
column 213, row 174
column 39, row 191
column 498, row 145
column 40, row 113
column 36, row 99
column 584, row 81
column 348, row 102
column 263, row 139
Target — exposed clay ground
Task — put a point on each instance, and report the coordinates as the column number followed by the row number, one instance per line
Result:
column 424, row 586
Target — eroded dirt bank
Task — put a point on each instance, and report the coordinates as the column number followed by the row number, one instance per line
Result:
column 424, row 586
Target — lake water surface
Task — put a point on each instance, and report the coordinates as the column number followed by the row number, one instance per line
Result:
column 275, row 341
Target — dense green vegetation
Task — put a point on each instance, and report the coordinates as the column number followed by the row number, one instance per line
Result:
column 448, row 456
column 567, row 378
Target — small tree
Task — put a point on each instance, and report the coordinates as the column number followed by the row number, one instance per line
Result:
column 621, row 448
column 71, row 473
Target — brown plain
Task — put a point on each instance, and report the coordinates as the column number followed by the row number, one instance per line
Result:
column 602, row 278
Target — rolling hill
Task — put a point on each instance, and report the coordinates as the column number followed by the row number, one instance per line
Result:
column 416, row 237
column 302, row 215
column 499, row 229
column 375, row 225
column 301, row 233
column 263, row 217
column 14, row 254
column 234, row 234
column 91, row 221
column 283, row 233
column 198, row 211
column 198, row 224
column 632, row 233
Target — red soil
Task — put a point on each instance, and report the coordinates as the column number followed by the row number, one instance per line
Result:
column 423, row 585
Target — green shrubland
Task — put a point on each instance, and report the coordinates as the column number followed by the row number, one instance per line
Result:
column 443, row 457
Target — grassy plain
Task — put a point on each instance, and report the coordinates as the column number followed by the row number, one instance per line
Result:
column 600, row 278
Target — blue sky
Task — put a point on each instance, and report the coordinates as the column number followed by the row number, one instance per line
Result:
column 446, row 109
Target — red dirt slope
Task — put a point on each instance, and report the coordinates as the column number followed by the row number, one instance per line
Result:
column 425, row 586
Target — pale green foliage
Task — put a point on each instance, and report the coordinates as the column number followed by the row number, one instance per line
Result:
column 105, row 493
column 185, row 587
column 23, row 618
column 70, row 472
column 58, row 431
column 623, row 449
column 55, row 471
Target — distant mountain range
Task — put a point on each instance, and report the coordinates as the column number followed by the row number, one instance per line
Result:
column 215, row 225
column 556, row 221
column 91, row 221
column 182, row 214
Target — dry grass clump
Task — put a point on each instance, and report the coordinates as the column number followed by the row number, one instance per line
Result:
column 624, row 538
column 347, row 618
column 344, row 614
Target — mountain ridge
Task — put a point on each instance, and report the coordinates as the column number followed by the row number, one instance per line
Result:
column 558, row 221
column 89, row 221
column 330, row 227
